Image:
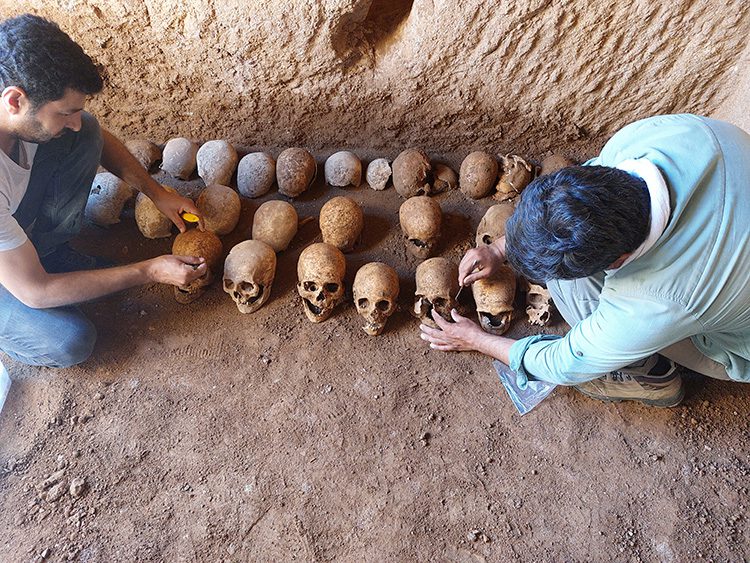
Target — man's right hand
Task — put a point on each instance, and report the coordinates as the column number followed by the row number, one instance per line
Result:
column 481, row 262
column 176, row 270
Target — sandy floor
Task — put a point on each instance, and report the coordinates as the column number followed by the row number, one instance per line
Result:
column 206, row 435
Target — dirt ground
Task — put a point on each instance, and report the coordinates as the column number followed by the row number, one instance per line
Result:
column 205, row 435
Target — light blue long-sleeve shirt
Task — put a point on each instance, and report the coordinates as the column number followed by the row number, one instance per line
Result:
column 694, row 282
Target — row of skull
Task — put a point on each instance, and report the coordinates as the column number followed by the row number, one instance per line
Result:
column 295, row 169
column 250, row 269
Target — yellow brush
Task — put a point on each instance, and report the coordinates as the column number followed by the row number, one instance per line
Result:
column 189, row 217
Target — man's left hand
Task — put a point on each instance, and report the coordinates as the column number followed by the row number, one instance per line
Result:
column 171, row 205
column 460, row 335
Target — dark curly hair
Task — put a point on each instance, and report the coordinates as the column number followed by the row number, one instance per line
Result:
column 37, row 56
column 576, row 222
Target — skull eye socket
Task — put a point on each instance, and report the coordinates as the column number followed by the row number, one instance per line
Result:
column 228, row 285
column 439, row 303
column 331, row 287
column 382, row 305
column 487, row 239
column 418, row 243
column 310, row 286
column 363, row 303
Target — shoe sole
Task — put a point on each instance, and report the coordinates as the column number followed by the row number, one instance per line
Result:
column 661, row 403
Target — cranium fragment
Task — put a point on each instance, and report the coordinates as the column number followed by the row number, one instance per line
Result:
column 412, row 173
column 320, row 271
column 444, row 178
column 492, row 225
column 478, row 174
column 378, row 174
column 248, row 274
column 437, row 286
column 217, row 161
column 420, row 219
column 555, row 162
column 341, row 223
column 256, row 174
column 107, row 198
column 275, row 223
column 343, row 169
column 494, row 298
column 375, row 293
column 144, row 151
column 539, row 305
column 151, row 222
column 220, row 208
column 197, row 243
column 517, row 173
column 295, row 171
column 179, row 158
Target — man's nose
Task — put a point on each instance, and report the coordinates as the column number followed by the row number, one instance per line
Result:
column 74, row 122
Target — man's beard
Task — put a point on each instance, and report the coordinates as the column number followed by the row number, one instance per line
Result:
column 32, row 131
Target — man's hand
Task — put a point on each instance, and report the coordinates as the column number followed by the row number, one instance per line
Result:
column 481, row 262
column 176, row 270
column 171, row 205
column 460, row 335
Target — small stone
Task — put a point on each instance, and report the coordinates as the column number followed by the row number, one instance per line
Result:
column 56, row 492
column 44, row 554
column 534, row 472
column 473, row 535
column 52, row 479
column 98, row 395
column 77, row 487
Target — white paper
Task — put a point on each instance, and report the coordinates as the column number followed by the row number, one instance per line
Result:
column 4, row 385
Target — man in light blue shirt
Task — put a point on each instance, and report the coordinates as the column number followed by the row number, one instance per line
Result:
column 644, row 250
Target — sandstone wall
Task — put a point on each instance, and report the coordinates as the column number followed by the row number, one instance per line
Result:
column 381, row 75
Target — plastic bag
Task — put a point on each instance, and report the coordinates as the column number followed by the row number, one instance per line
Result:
column 524, row 399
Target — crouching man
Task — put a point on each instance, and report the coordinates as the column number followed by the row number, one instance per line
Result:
column 49, row 153
column 646, row 253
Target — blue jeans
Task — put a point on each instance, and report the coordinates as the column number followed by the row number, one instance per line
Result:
column 61, row 178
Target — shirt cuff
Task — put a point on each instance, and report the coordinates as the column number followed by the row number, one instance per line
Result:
column 518, row 351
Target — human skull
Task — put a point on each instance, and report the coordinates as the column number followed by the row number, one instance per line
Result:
column 494, row 299
column 444, row 178
column 107, row 198
column 437, row 286
column 378, row 174
column 179, row 158
column 320, row 271
column 375, row 293
column 539, row 305
column 217, row 161
column 517, row 173
column 492, row 225
column 248, row 274
column 412, row 173
column 151, row 222
column 341, row 222
column 555, row 162
column 194, row 242
column 219, row 207
column 295, row 171
column 343, row 169
column 275, row 223
column 420, row 219
column 144, row 151
column 477, row 174
column 256, row 174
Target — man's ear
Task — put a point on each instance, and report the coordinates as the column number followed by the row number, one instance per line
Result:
column 14, row 100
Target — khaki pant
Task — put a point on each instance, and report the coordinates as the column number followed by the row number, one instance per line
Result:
column 577, row 299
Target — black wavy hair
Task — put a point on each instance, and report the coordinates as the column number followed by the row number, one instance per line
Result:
column 37, row 56
column 576, row 222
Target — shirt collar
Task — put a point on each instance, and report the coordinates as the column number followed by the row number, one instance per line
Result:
column 659, row 199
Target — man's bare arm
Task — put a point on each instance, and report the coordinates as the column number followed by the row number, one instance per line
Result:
column 22, row 274
column 117, row 159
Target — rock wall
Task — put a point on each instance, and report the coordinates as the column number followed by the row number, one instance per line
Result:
column 381, row 75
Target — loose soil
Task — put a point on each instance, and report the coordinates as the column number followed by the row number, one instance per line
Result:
column 207, row 435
